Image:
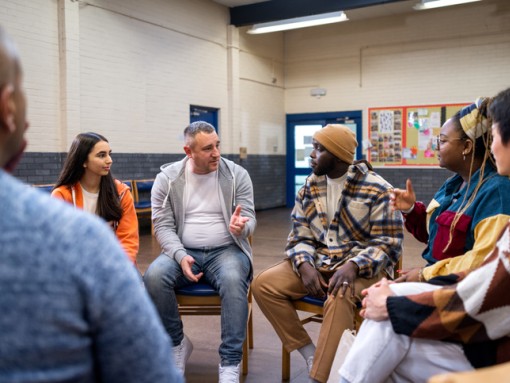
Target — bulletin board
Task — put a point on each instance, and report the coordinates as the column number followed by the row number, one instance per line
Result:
column 403, row 135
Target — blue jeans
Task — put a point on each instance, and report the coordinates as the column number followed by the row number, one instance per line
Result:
column 228, row 270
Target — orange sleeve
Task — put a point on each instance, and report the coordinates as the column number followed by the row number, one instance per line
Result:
column 62, row 192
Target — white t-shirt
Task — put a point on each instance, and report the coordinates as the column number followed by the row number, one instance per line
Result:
column 89, row 201
column 334, row 193
column 204, row 225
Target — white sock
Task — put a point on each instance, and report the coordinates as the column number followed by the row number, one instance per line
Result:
column 307, row 351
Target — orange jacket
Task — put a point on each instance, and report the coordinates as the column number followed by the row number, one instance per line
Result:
column 127, row 229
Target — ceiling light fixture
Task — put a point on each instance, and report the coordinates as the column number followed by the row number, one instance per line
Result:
column 429, row 4
column 298, row 22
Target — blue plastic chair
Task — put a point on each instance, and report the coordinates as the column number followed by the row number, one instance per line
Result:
column 142, row 189
column 48, row 188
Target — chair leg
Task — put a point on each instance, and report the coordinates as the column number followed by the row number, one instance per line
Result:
column 248, row 342
column 245, row 357
column 285, row 364
column 358, row 319
column 250, row 331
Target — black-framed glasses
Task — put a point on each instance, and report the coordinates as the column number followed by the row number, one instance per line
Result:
column 440, row 140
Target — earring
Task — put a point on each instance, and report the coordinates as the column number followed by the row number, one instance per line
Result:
column 463, row 156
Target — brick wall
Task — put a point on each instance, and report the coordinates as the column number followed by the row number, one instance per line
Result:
column 267, row 172
column 426, row 182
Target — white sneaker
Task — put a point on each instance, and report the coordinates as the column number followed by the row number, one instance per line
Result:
column 182, row 353
column 309, row 364
column 229, row 374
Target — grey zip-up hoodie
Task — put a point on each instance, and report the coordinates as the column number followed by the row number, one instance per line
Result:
column 167, row 198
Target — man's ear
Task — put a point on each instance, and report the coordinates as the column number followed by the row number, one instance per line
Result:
column 187, row 150
column 7, row 108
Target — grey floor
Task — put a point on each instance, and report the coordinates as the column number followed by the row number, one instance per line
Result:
column 265, row 358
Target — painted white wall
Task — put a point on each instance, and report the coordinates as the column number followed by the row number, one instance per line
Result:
column 34, row 27
column 144, row 63
column 262, row 82
column 130, row 69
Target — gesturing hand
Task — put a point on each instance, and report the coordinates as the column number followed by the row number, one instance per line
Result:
column 186, row 264
column 403, row 199
column 237, row 222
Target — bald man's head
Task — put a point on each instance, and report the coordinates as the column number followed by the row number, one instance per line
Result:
column 9, row 60
column 12, row 105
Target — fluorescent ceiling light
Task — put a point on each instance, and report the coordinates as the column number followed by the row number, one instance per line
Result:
column 428, row 4
column 298, row 22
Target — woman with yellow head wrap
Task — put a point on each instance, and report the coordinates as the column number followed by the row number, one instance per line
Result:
column 462, row 222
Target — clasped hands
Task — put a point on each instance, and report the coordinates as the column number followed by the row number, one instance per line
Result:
column 374, row 301
column 316, row 285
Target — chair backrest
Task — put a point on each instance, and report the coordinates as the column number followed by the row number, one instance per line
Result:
column 129, row 184
column 142, row 194
column 46, row 187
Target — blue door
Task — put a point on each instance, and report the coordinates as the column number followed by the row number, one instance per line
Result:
column 300, row 129
column 204, row 113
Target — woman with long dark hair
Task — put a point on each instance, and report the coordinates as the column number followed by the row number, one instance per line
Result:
column 87, row 183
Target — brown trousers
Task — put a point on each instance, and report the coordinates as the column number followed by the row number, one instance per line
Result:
column 276, row 287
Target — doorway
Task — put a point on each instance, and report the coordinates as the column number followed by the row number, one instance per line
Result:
column 300, row 130
column 204, row 113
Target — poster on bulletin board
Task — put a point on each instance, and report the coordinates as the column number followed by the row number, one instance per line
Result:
column 405, row 135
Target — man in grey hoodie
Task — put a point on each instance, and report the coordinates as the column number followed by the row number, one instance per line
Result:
column 203, row 214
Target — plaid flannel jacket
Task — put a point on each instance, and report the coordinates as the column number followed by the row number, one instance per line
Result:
column 364, row 229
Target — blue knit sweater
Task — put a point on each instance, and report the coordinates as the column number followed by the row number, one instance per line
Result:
column 72, row 308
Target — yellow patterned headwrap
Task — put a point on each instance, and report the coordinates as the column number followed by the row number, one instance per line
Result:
column 472, row 121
